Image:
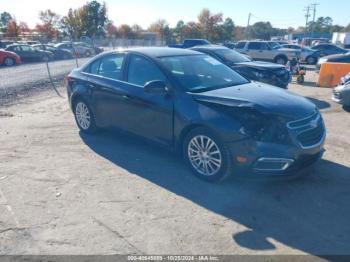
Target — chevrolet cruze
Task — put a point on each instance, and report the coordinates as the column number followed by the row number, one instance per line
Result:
column 221, row 123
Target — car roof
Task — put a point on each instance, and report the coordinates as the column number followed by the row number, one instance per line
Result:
column 210, row 47
column 155, row 52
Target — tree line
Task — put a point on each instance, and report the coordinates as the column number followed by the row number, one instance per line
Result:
column 92, row 20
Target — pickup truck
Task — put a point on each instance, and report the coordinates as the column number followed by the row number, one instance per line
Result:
column 188, row 43
column 267, row 51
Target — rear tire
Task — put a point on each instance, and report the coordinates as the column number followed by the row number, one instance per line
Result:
column 84, row 117
column 281, row 60
column 207, row 156
column 9, row 61
column 311, row 60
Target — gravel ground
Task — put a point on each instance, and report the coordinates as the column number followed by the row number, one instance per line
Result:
column 62, row 192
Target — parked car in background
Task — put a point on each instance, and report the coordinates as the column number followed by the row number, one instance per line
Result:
column 188, row 43
column 230, row 45
column 270, row 73
column 30, row 54
column 340, row 58
column 97, row 49
column 57, row 52
column 341, row 94
column 220, row 121
column 8, row 58
column 5, row 43
column 267, row 51
column 79, row 50
column 28, row 42
column 329, row 49
column 307, row 54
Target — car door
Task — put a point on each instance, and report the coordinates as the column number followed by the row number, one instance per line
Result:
column 108, row 90
column 149, row 115
column 254, row 50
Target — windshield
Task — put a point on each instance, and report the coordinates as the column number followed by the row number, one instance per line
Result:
column 198, row 73
column 231, row 56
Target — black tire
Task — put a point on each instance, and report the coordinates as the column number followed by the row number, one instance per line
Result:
column 87, row 54
column 282, row 60
column 8, row 61
column 91, row 128
column 225, row 169
column 311, row 60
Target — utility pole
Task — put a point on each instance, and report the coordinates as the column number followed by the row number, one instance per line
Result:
column 314, row 8
column 307, row 15
column 248, row 24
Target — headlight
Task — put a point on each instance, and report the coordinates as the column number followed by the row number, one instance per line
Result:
column 264, row 128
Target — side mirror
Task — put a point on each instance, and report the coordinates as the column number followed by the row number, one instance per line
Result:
column 156, row 87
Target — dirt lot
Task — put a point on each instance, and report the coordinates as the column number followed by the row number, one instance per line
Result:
column 66, row 193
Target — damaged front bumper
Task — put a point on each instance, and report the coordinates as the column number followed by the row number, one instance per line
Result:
column 268, row 159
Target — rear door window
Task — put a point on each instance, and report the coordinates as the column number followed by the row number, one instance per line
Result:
column 110, row 66
column 254, row 46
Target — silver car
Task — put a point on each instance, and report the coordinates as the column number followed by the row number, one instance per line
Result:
column 341, row 94
column 306, row 54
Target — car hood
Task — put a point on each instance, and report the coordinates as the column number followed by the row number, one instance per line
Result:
column 261, row 65
column 262, row 97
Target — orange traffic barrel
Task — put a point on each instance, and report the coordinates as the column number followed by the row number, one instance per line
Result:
column 331, row 73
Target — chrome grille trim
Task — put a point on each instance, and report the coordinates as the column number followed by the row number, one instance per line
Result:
column 308, row 124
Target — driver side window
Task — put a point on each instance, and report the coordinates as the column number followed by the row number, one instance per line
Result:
column 142, row 70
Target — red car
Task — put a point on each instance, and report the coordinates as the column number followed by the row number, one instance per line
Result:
column 9, row 58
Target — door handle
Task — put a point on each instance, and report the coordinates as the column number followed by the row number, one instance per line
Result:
column 125, row 97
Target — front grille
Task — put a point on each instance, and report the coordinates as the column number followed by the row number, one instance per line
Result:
column 309, row 131
column 312, row 136
column 302, row 122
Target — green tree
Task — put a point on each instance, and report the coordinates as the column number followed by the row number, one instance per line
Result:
column 72, row 23
column 178, row 31
column 5, row 17
column 261, row 30
column 228, row 28
column 94, row 19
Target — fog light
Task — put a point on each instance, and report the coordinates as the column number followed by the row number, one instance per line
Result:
column 273, row 164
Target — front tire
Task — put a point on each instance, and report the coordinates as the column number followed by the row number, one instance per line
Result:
column 206, row 155
column 84, row 118
column 281, row 60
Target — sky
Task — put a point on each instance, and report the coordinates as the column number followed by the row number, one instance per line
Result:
column 281, row 13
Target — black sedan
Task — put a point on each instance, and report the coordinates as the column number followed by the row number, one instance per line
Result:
column 57, row 52
column 329, row 49
column 194, row 104
column 340, row 58
column 29, row 54
column 270, row 73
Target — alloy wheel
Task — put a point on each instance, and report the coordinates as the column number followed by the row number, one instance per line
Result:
column 204, row 155
column 83, row 115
